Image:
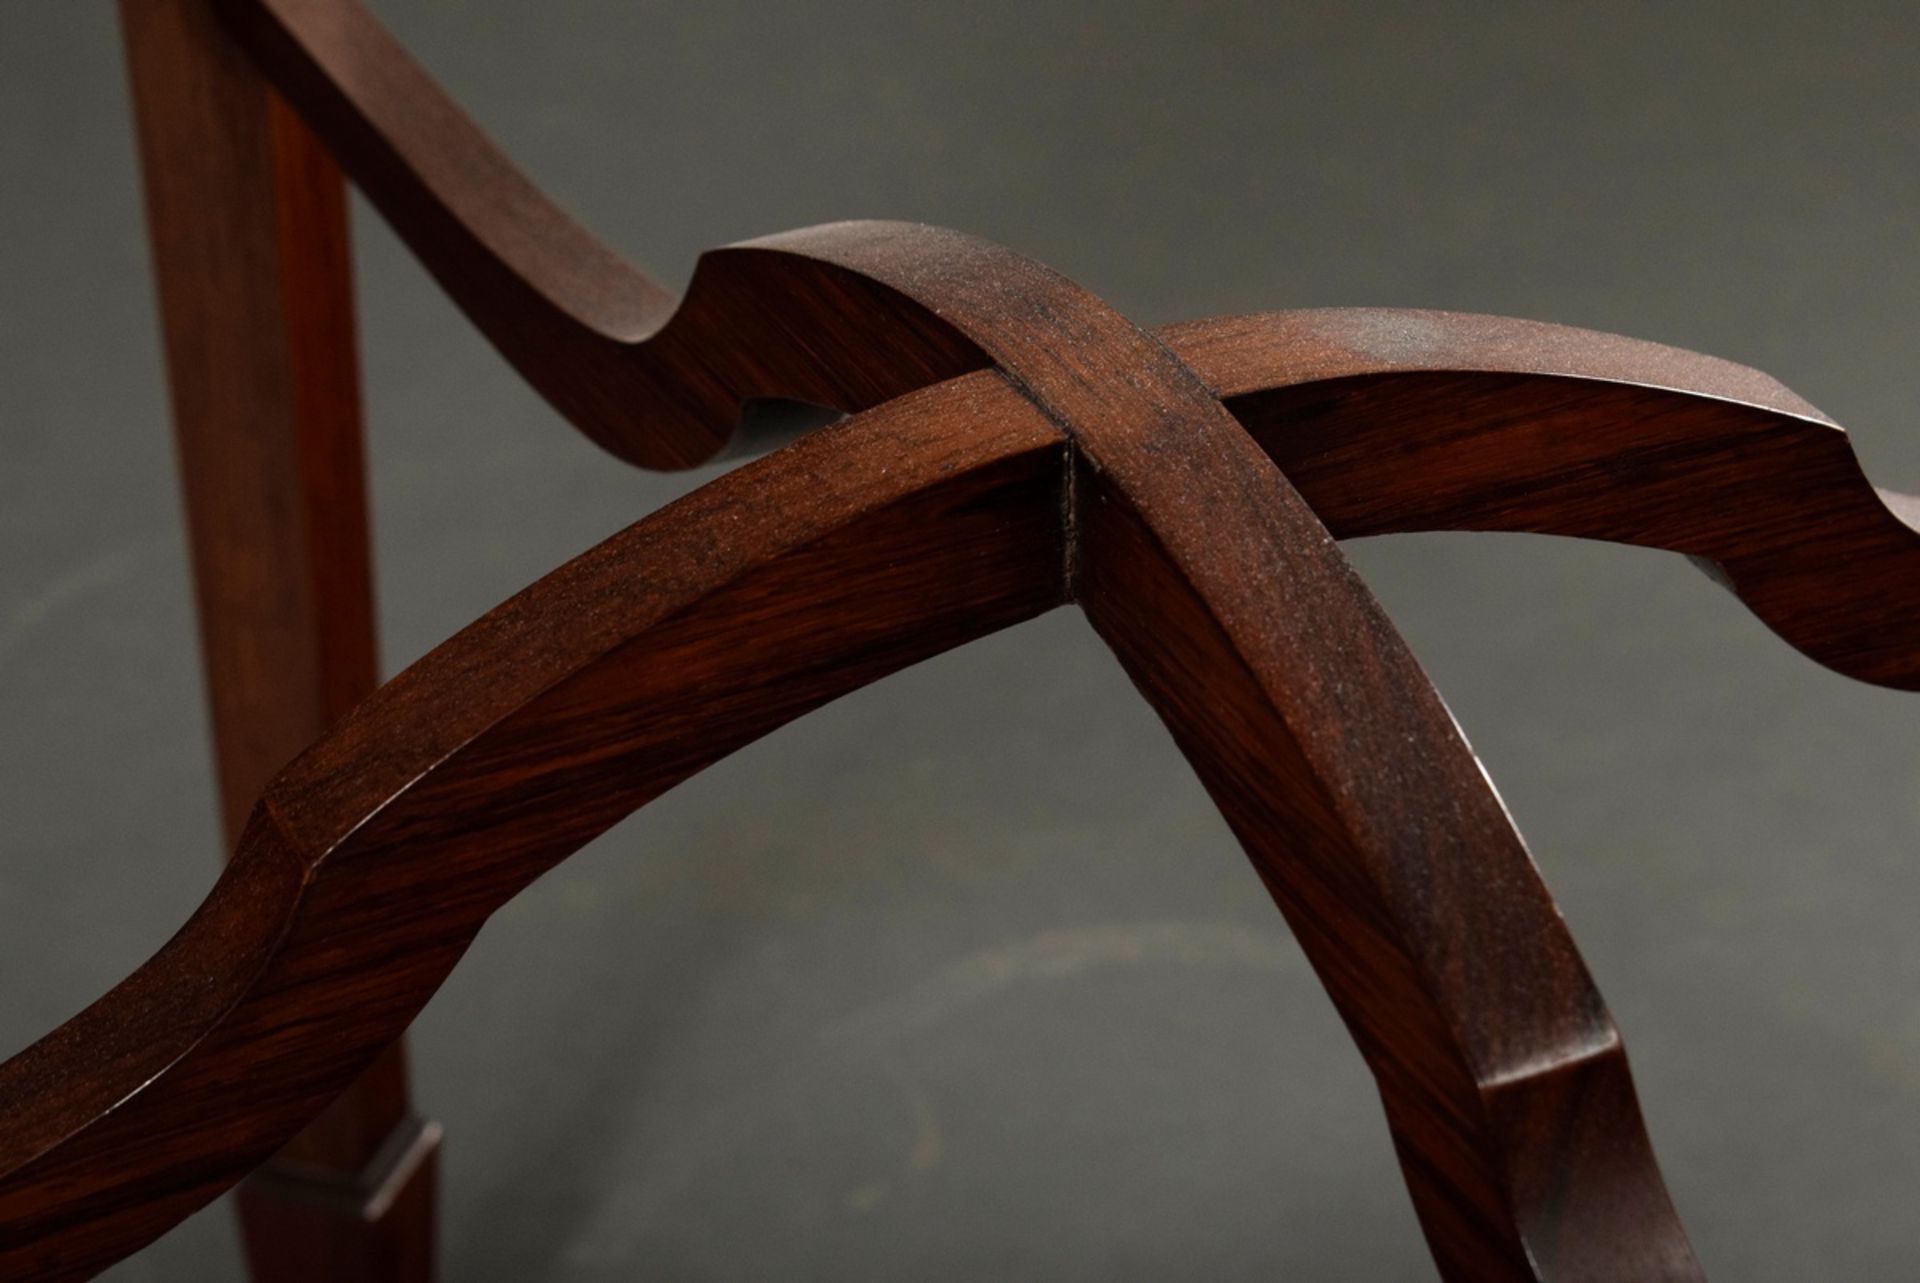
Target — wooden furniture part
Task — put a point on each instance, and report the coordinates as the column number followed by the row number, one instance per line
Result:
column 247, row 214
column 1014, row 446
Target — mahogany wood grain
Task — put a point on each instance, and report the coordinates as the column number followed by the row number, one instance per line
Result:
column 937, row 517
column 1330, row 754
column 248, row 225
column 1016, row 445
column 371, row 862
column 247, row 218
column 1557, row 430
column 1397, row 420
column 559, row 305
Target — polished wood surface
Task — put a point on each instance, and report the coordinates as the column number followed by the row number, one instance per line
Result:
column 371, row 862
column 1134, row 493
column 247, row 220
column 1398, row 420
column 1560, row 431
column 1015, row 445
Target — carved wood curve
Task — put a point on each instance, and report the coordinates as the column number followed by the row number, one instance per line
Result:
column 1090, row 465
column 1015, row 445
column 1555, row 430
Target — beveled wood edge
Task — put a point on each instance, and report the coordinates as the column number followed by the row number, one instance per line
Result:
column 1338, row 766
column 1520, row 1137
column 609, row 348
column 250, row 250
column 1392, row 421
column 951, row 297
column 939, row 363
column 444, row 793
column 1261, row 351
column 432, row 803
column 560, row 306
column 583, row 325
column 373, row 858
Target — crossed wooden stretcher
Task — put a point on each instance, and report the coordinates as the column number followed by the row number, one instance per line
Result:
column 1012, row 445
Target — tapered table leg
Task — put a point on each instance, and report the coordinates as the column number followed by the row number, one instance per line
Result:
column 248, row 223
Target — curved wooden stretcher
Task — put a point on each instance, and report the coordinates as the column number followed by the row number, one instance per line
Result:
column 1014, row 445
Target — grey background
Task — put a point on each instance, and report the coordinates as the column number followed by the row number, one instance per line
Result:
column 961, row 976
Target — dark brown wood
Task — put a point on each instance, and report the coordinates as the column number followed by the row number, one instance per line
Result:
column 1018, row 445
column 1115, row 476
column 1559, row 430
column 374, row 858
column 1399, row 420
column 558, row 304
column 248, row 221
column 1337, row 765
